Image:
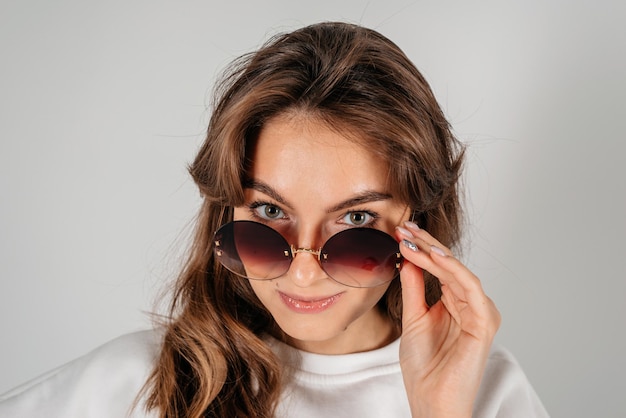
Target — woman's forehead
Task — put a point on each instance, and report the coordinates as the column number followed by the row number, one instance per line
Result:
column 309, row 151
column 313, row 171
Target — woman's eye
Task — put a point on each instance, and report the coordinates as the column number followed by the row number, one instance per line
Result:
column 269, row 212
column 358, row 218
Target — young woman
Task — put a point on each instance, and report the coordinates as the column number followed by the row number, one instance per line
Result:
column 321, row 281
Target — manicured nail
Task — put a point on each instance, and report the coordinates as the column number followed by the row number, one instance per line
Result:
column 411, row 225
column 404, row 232
column 437, row 250
column 411, row 246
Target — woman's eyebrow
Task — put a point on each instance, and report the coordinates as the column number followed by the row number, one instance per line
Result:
column 265, row 188
column 359, row 199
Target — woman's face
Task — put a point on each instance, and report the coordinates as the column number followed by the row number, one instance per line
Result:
column 309, row 182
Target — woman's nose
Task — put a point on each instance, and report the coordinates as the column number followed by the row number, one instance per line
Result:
column 305, row 268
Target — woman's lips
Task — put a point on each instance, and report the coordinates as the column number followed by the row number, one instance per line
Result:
column 308, row 305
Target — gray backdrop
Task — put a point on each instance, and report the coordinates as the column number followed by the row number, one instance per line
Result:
column 104, row 103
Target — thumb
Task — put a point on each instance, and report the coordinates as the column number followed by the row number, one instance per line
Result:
column 413, row 293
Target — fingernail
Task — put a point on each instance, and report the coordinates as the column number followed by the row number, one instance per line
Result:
column 404, row 232
column 411, row 246
column 437, row 250
column 411, row 225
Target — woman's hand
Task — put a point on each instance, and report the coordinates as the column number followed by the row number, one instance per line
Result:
column 444, row 348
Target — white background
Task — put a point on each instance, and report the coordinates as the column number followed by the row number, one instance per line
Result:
column 102, row 105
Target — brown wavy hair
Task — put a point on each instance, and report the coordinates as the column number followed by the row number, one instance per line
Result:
column 214, row 361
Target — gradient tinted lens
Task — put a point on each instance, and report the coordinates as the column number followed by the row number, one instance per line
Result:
column 357, row 257
column 252, row 250
column 361, row 257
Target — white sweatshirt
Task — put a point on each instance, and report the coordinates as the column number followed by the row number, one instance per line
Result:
column 105, row 383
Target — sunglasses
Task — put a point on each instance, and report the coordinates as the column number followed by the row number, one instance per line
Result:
column 355, row 257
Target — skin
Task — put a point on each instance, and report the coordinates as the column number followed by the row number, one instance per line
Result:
column 305, row 178
column 444, row 348
column 308, row 174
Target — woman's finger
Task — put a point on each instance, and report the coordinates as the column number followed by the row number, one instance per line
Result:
column 462, row 289
column 431, row 255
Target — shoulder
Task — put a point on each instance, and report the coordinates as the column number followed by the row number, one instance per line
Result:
column 136, row 351
column 104, row 382
column 505, row 390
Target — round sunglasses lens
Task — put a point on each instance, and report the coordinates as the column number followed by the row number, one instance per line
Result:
column 361, row 257
column 253, row 250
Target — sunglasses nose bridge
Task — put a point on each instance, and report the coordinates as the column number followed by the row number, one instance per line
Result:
column 316, row 253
